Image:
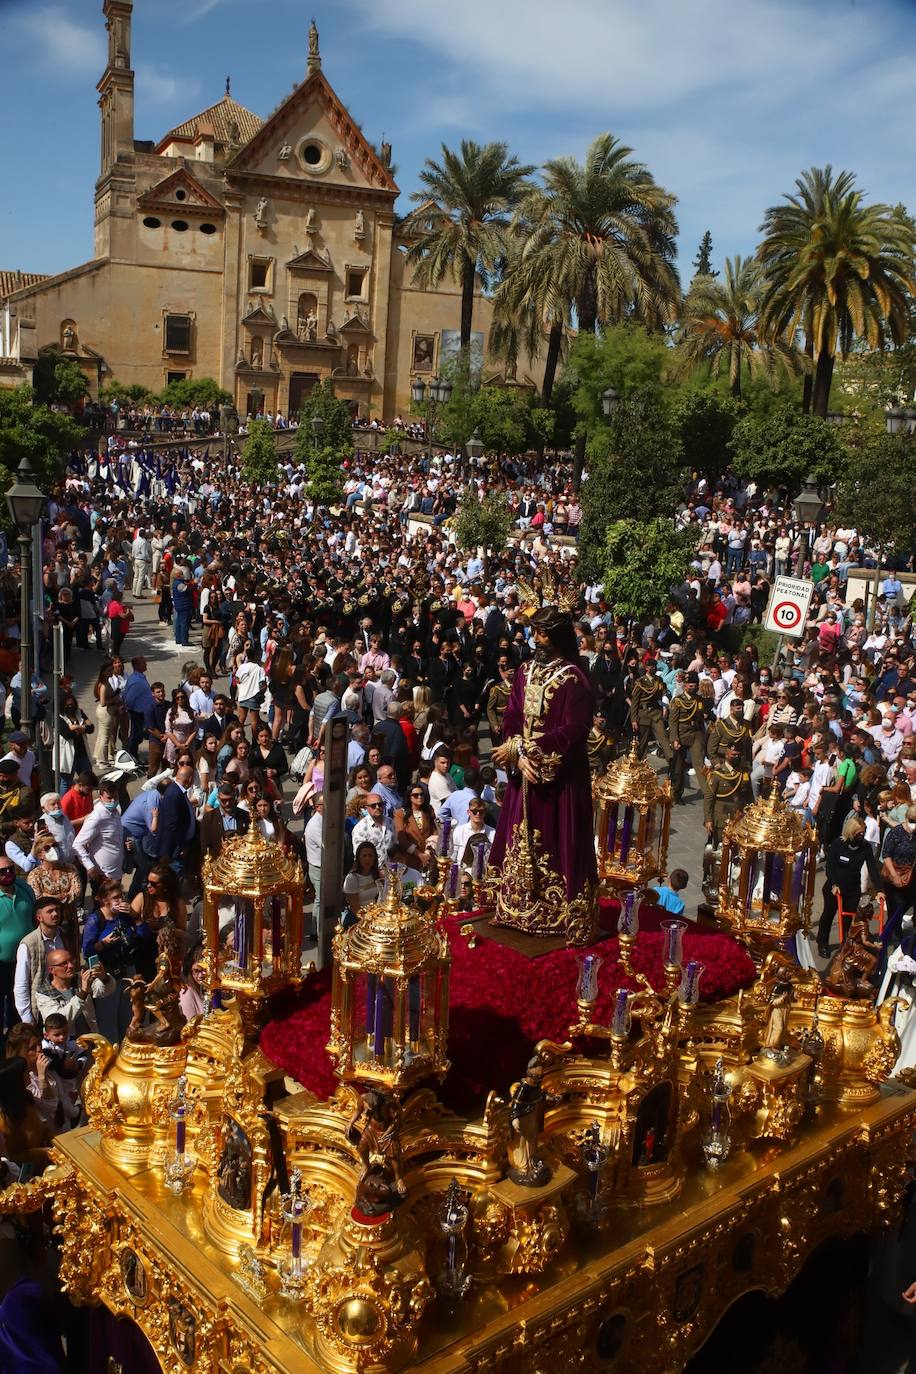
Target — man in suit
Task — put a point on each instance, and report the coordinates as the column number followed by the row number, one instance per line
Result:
column 227, row 820
column 177, row 821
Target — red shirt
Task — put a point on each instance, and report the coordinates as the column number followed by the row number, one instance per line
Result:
column 410, row 735
column 75, row 805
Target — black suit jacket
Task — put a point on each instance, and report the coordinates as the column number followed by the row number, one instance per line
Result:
column 176, row 823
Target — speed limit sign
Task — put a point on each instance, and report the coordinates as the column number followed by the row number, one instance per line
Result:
column 788, row 608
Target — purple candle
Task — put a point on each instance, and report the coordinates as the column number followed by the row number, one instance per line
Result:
column 445, row 836
column 620, row 1024
column 241, row 932
column 611, row 828
column 716, row 1114
column 479, row 861
column 378, row 1044
column 180, row 1129
column 453, row 881
column 296, row 1230
column 628, row 923
column 626, row 833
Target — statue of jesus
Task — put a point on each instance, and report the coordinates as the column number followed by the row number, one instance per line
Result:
column 544, row 845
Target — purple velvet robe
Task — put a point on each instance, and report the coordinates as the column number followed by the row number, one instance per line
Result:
column 562, row 809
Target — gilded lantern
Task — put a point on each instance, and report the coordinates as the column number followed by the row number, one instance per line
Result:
column 252, row 893
column 632, row 823
column 766, row 879
column 389, row 1007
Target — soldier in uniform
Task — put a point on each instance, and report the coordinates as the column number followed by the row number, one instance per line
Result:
column 730, row 731
column 498, row 699
column 687, row 733
column 728, row 790
column 647, row 715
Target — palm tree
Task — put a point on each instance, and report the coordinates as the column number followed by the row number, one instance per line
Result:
column 523, row 312
column 600, row 244
column 602, row 238
column 720, row 326
column 463, row 217
column 837, row 269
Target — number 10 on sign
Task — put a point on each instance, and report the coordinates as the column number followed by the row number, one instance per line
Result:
column 788, row 608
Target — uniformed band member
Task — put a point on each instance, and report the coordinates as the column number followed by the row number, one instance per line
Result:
column 647, row 715
column 730, row 730
column 687, row 733
column 728, row 790
column 498, row 700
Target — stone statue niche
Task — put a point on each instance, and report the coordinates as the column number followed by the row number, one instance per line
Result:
column 68, row 337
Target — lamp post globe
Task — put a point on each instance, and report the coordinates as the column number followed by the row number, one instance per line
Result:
column 24, row 499
column 317, row 423
column 610, row 400
column 445, row 391
column 808, row 505
column 474, row 446
column 418, row 391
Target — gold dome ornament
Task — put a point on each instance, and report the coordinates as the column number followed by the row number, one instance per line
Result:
column 389, row 999
column 632, row 824
column 766, row 875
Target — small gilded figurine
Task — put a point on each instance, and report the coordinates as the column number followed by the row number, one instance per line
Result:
column 775, row 1037
column 849, row 971
column 527, row 1166
column 377, row 1130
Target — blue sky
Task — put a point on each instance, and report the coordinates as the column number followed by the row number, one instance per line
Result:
column 725, row 100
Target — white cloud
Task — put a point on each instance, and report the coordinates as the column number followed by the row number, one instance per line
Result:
column 726, row 102
column 158, row 87
column 56, row 42
column 200, row 10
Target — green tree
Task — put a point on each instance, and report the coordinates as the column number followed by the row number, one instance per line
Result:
column 43, row 435
column 259, row 456
column 459, row 230
column 131, row 394
column 58, row 380
column 642, row 560
column 782, row 448
column 626, row 357
column 324, row 476
column 634, row 461
column 196, row 391
column 875, row 493
column 837, row 269
column 705, row 422
column 483, row 524
column 336, row 430
column 702, row 263
column 719, row 327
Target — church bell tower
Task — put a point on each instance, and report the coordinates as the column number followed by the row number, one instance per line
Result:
column 116, row 106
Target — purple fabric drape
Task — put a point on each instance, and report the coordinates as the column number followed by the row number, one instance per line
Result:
column 560, row 810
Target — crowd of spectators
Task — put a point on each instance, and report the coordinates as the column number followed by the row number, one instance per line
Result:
column 283, row 615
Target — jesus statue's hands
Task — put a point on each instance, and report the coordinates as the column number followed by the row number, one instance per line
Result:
column 527, row 770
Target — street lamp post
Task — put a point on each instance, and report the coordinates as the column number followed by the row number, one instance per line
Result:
column 610, row 400
column 26, row 503
column 808, row 508
column 437, row 392
column 474, row 448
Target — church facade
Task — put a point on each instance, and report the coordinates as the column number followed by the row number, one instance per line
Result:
column 266, row 254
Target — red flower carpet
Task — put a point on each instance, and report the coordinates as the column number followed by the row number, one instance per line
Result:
column 501, row 1004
